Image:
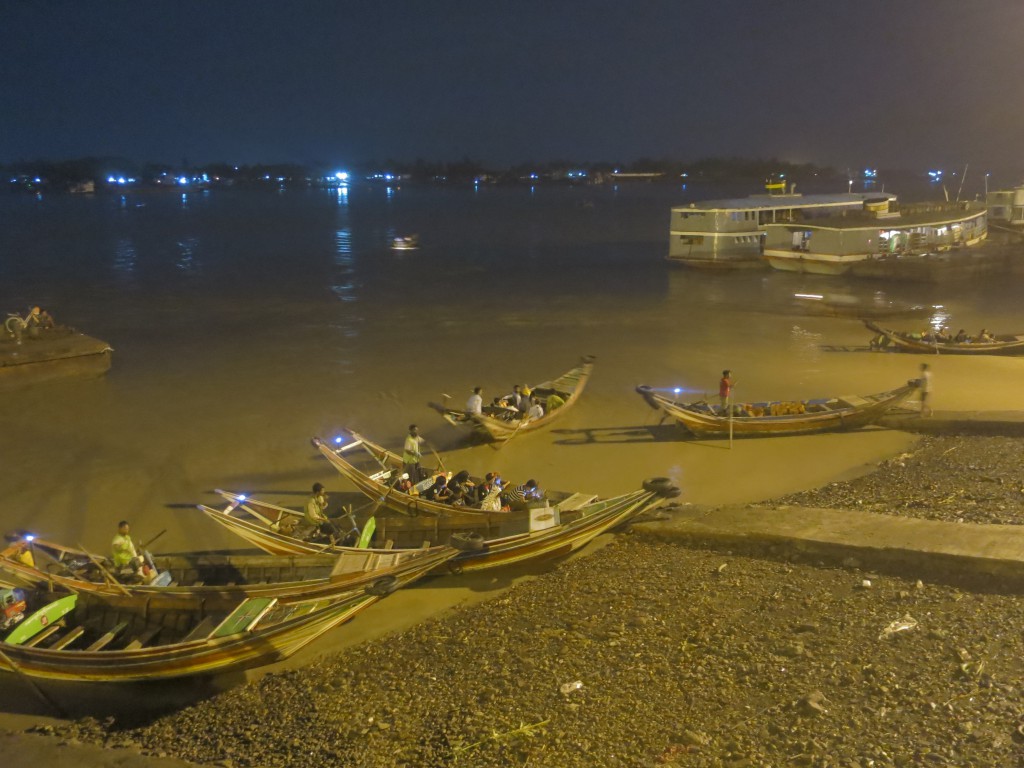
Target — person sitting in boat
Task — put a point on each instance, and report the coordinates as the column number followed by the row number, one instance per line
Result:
column 536, row 410
column 459, row 498
column 438, row 491
column 521, row 496
column 123, row 555
column 403, row 483
column 555, row 400
column 475, row 404
column 961, row 337
column 984, row 337
column 460, row 481
column 315, row 514
column 943, row 336
column 24, row 554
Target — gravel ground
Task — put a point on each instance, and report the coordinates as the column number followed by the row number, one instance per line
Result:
column 649, row 654
column 956, row 479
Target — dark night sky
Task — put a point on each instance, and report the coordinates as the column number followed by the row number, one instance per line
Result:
column 894, row 83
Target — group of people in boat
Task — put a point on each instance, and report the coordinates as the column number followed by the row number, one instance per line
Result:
column 940, row 336
column 521, row 403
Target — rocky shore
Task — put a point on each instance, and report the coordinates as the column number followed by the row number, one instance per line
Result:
column 650, row 654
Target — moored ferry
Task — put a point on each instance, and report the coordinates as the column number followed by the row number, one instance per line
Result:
column 838, row 244
column 730, row 233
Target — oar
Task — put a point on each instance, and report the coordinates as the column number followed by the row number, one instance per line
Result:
column 150, row 541
column 106, row 574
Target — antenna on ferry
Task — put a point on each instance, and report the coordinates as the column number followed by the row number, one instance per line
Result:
column 966, row 166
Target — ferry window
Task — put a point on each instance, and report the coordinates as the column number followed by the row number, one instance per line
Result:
column 691, row 239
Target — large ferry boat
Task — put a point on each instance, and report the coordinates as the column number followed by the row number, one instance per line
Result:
column 730, row 233
column 838, row 244
column 1006, row 206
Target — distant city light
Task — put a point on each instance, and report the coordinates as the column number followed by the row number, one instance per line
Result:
column 870, row 173
column 183, row 180
column 935, row 175
column 341, row 176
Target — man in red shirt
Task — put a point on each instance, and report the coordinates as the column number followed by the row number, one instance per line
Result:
column 725, row 389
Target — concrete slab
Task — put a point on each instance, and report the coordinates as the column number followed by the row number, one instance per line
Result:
column 986, row 556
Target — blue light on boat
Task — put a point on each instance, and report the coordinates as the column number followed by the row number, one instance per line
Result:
column 241, row 497
column 678, row 390
column 30, row 537
column 338, row 440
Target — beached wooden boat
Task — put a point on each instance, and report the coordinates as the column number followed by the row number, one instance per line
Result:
column 216, row 579
column 85, row 637
column 499, row 424
column 1005, row 344
column 795, row 417
column 374, row 470
column 486, row 540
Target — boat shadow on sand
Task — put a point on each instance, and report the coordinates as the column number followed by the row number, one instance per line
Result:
column 642, row 433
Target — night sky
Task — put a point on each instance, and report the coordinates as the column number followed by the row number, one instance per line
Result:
column 890, row 83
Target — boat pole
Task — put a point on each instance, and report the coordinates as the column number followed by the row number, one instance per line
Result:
column 728, row 404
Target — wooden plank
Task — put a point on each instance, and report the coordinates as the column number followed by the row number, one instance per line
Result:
column 68, row 639
column 200, row 630
column 245, row 616
column 107, row 637
column 45, row 634
column 142, row 639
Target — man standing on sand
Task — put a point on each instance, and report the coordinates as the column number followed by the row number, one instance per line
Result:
column 926, row 389
column 412, row 454
column 475, row 404
column 725, row 386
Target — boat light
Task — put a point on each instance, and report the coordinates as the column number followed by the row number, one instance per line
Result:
column 241, row 497
column 30, row 537
column 339, row 440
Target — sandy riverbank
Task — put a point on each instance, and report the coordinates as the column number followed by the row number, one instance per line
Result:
column 694, row 658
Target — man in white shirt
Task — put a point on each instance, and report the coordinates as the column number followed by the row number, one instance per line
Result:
column 536, row 409
column 475, row 404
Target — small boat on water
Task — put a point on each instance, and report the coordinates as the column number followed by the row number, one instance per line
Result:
column 776, row 418
column 216, row 579
column 485, row 540
column 406, row 243
column 500, row 423
column 85, row 637
column 848, row 305
column 905, row 341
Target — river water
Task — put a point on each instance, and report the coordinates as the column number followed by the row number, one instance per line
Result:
column 245, row 323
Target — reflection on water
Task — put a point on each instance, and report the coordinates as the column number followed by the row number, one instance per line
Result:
column 187, row 248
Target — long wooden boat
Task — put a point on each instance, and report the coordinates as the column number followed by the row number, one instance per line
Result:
column 85, row 637
column 216, row 579
column 1005, row 344
column 374, row 470
column 499, row 424
column 765, row 419
column 486, row 541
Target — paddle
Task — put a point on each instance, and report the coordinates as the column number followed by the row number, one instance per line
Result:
column 107, row 577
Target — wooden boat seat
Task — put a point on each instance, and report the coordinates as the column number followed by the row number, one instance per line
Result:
column 40, row 636
column 200, row 630
column 68, row 639
column 244, row 617
column 576, row 501
column 854, row 401
column 107, row 637
column 142, row 639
